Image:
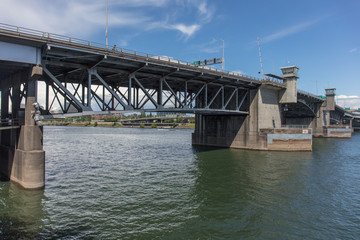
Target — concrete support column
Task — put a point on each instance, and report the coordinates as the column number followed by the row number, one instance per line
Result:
column 326, row 118
column 28, row 167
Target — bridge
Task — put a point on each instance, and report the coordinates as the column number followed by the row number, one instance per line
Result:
column 78, row 77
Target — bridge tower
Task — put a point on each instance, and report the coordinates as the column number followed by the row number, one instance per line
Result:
column 290, row 76
column 329, row 105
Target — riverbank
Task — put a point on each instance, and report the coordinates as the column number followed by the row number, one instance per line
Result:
column 118, row 124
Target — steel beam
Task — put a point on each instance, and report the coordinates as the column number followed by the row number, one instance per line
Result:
column 212, row 100
column 73, row 98
column 145, row 91
column 242, row 100
column 94, row 72
column 230, row 97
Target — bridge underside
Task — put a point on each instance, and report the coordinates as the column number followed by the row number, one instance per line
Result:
column 303, row 111
column 81, row 81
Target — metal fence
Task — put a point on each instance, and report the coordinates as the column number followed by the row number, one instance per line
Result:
column 9, row 123
column 294, row 126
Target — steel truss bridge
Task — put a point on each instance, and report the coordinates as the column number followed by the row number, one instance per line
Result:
column 78, row 74
column 82, row 78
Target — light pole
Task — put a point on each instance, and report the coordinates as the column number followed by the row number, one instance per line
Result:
column 106, row 32
column 223, row 57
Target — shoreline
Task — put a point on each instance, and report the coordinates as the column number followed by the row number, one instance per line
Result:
column 115, row 125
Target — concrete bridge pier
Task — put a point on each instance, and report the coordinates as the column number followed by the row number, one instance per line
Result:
column 322, row 124
column 22, row 155
column 261, row 128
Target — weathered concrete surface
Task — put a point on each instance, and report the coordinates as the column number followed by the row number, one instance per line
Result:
column 330, row 99
column 29, row 168
column 268, row 110
column 289, row 94
column 337, row 131
column 22, row 159
column 290, row 139
column 253, row 131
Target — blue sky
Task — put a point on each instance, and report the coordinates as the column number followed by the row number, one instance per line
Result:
column 321, row 37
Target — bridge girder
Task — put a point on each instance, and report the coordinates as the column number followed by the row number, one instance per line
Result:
column 187, row 95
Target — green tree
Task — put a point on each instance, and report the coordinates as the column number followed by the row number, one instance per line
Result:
column 142, row 115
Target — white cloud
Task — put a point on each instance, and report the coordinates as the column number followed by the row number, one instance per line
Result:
column 206, row 11
column 83, row 18
column 348, row 101
column 289, row 31
column 354, row 50
column 141, row 3
column 188, row 31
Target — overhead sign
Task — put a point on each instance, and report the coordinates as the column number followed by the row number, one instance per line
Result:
column 208, row 62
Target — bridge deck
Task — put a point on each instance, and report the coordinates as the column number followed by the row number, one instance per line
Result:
column 75, row 53
column 68, row 60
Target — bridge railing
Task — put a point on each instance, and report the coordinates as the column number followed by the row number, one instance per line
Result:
column 294, row 126
column 310, row 94
column 27, row 32
column 10, row 123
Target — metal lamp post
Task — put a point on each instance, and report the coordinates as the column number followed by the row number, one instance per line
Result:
column 223, row 57
column 106, row 32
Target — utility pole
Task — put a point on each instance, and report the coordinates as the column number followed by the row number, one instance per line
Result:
column 262, row 72
column 223, row 56
column 106, row 32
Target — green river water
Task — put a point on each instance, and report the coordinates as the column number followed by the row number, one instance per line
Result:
column 123, row 183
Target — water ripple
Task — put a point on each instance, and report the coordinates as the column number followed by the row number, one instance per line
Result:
column 104, row 183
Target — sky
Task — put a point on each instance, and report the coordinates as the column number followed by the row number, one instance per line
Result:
column 321, row 37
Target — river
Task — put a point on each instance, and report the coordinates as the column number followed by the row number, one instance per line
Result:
column 124, row 183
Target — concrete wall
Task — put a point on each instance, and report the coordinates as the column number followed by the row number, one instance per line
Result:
column 253, row 131
column 289, row 95
column 338, row 131
column 292, row 139
column 268, row 108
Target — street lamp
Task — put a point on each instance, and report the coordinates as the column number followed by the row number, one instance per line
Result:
column 223, row 59
column 106, row 32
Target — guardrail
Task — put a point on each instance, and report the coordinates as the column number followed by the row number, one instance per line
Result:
column 294, row 126
column 9, row 123
column 45, row 36
column 310, row 94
